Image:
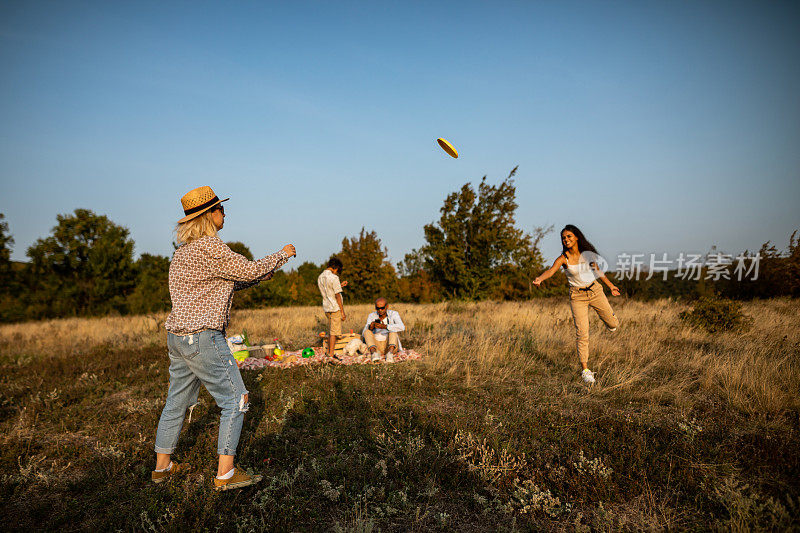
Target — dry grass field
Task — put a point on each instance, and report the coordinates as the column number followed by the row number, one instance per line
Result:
column 492, row 430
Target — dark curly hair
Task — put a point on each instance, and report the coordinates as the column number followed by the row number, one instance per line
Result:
column 583, row 243
column 336, row 263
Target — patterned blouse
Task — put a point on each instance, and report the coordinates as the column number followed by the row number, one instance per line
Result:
column 202, row 277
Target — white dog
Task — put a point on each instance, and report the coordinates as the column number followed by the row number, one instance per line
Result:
column 354, row 347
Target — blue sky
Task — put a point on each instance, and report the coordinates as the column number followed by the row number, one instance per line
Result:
column 653, row 126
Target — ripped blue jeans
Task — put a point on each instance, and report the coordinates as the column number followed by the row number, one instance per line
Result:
column 202, row 358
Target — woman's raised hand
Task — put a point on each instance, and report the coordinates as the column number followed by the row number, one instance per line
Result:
column 290, row 251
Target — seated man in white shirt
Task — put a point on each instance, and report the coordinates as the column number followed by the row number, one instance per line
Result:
column 381, row 331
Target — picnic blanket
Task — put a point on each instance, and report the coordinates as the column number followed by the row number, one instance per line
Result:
column 292, row 359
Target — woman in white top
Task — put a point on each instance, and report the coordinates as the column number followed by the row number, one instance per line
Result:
column 579, row 260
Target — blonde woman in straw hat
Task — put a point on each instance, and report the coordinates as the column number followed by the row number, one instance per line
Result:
column 203, row 274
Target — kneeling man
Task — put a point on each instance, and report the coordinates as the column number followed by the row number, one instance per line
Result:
column 381, row 331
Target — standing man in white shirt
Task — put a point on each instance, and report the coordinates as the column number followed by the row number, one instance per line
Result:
column 332, row 305
column 381, row 331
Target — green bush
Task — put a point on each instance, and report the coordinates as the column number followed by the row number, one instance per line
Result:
column 716, row 314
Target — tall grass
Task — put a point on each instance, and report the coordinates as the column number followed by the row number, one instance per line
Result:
column 492, row 430
column 653, row 355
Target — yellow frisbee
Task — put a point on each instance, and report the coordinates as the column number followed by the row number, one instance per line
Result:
column 447, row 147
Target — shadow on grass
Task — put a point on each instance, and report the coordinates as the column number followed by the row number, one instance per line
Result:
column 341, row 459
column 354, row 447
column 331, row 458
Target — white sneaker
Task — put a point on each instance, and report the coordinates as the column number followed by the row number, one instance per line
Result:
column 390, row 357
column 376, row 357
column 588, row 376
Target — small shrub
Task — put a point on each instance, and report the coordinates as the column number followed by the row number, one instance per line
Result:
column 329, row 491
column 691, row 428
column 592, row 467
column 716, row 314
column 480, row 457
column 750, row 509
column 529, row 498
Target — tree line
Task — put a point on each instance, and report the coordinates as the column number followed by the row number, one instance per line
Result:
column 474, row 251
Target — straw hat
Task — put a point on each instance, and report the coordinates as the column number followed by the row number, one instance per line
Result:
column 198, row 201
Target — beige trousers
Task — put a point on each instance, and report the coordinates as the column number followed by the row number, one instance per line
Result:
column 579, row 302
column 393, row 340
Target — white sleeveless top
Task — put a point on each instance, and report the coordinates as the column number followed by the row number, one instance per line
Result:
column 580, row 275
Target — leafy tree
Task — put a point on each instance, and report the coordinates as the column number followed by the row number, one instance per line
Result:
column 85, row 267
column 367, row 268
column 527, row 263
column 412, row 264
column 780, row 271
column 419, row 288
column 778, row 274
column 240, row 248
column 309, row 272
column 11, row 307
column 475, row 250
column 151, row 293
column 415, row 283
column 6, row 242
